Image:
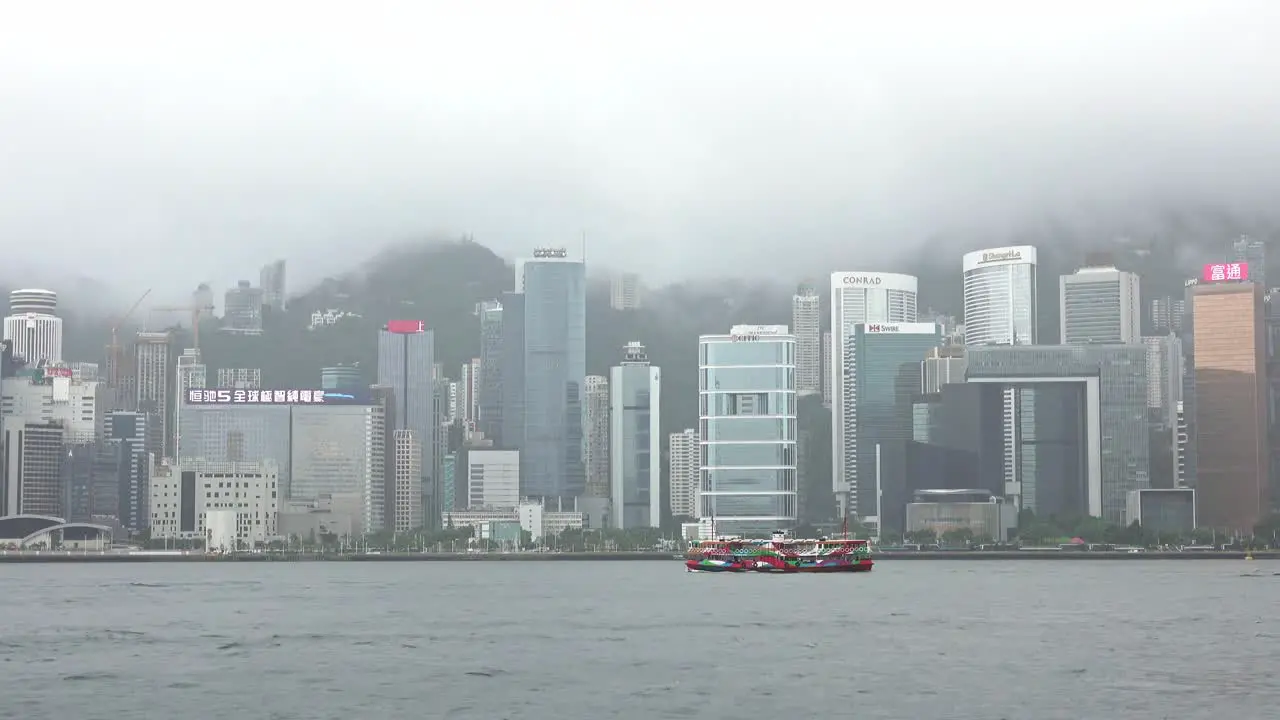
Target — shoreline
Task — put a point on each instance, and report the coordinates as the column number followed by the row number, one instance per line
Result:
column 72, row 556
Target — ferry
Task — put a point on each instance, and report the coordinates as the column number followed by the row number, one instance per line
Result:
column 780, row 554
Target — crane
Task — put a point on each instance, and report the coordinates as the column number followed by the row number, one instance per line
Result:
column 196, row 311
column 113, row 350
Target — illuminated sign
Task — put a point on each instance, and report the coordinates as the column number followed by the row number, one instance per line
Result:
column 406, row 327
column 275, row 397
column 1002, row 256
column 1225, row 272
column 57, row 371
column 862, row 280
column 550, row 253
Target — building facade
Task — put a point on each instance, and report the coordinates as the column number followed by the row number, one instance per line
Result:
column 1099, row 306
column 596, row 443
column 624, row 291
column 33, row 326
column 407, row 509
column 240, row 378
column 805, row 325
column 493, row 478
column 748, row 430
column 406, row 364
column 1000, row 296
column 684, row 455
column 183, row 497
column 340, row 450
column 635, row 453
column 857, row 298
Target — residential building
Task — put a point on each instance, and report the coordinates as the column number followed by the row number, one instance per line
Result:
column 635, row 454
column 684, row 468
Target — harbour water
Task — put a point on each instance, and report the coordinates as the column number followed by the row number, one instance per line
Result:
column 639, row 640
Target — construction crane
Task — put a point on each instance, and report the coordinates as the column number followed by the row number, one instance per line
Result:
column 114, row 354
column 196, row 311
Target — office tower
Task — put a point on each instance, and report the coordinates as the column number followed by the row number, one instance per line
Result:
column 32, row 467
column 340, row 451
column 408, row 482
column 1164, row 377
column 271, row 280
column 554, row 371
column 493, row 478
column 511, row 363
column 342, row 378
column 154, row 380
column 240, row 378
column 596, row 445
column 884, row 376
column 1253, row 252
column 805, row 324
column 124, row 456
column 1231, row 452
column 856, row 298
column 489, row 393
column 826, row 369
column 1000, row 296
column 746, row 380
column 468, row 392
column 635, row 454
column 234, row 432
column 191, row 375
column 683, row 471
column 1167, row 315
column 942, row 365
column 1099, row 306
column 1080, row 424
column 624, row 291
column 406, row 364
column 191, row 502
column 33, row 326
column 242, row 310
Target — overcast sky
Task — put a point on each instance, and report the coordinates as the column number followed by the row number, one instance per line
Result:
column 161, row 147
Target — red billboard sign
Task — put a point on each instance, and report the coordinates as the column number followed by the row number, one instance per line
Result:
column 406, row 327
column 1225, row 272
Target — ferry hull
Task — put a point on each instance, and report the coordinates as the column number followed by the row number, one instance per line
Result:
column 763, row 567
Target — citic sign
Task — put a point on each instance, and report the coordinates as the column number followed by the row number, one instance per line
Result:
column 861, row 280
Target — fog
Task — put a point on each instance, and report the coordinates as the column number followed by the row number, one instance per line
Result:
column 145, row 144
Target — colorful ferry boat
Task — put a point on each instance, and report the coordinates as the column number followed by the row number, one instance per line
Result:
column 780, row 554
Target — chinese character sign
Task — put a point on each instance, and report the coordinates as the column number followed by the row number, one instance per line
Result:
column 1225, row 272
column 291, row 396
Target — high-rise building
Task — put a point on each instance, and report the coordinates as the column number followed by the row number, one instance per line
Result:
column 635, row 454
column 1167, row 315
column 41, row 398
column 1000, row 296
column 1164, row 377
column 235, row 433
column 155, row 378
column 271, row 280
column 857, row 298
column 553, row 287
column 33, row 326
column 240, row 378
column 191, row 374
column 624, row 291
column 493, row 478
column 1231, row 451
column 941, row 366
column 341, row 378
column 1100, row 306
column 242, row 310
column 489, row 391
column 805, row 325
column 124, row 458
column 1254, row 252
column 596, row 444
column 340, row 450
column 406, row 364
column 826, row 369
column 884, row 375
column 684, row 469
column 511, row 364
column 408, row 482
column 468, row 391
column 31, row 471
column 748, row 431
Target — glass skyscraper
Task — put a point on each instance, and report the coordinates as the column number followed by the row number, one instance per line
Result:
column 554, row 291
column 406, row 364
column 748, row 430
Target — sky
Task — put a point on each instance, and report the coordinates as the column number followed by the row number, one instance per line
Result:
column 146, row 144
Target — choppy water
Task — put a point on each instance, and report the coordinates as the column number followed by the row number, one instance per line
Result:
column 920, row 639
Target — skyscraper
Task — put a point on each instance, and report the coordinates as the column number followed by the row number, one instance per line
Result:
column 596, row 456
column 1000, row 296
column 635, row 455
column 826, row 369
column 272, row 281
column 191, row 374
column 407, row 508
column 1100, row 306
column 684, row 461
column 242, row 310
column 805, row 325
column 33, row 326
column 746, row 380
column 489, row 389
column 1254, row 252
column 154, row 376
column 1231, row 450
column 624, row 291
column 406, row 364
column 858, row 297
column 553, row 287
